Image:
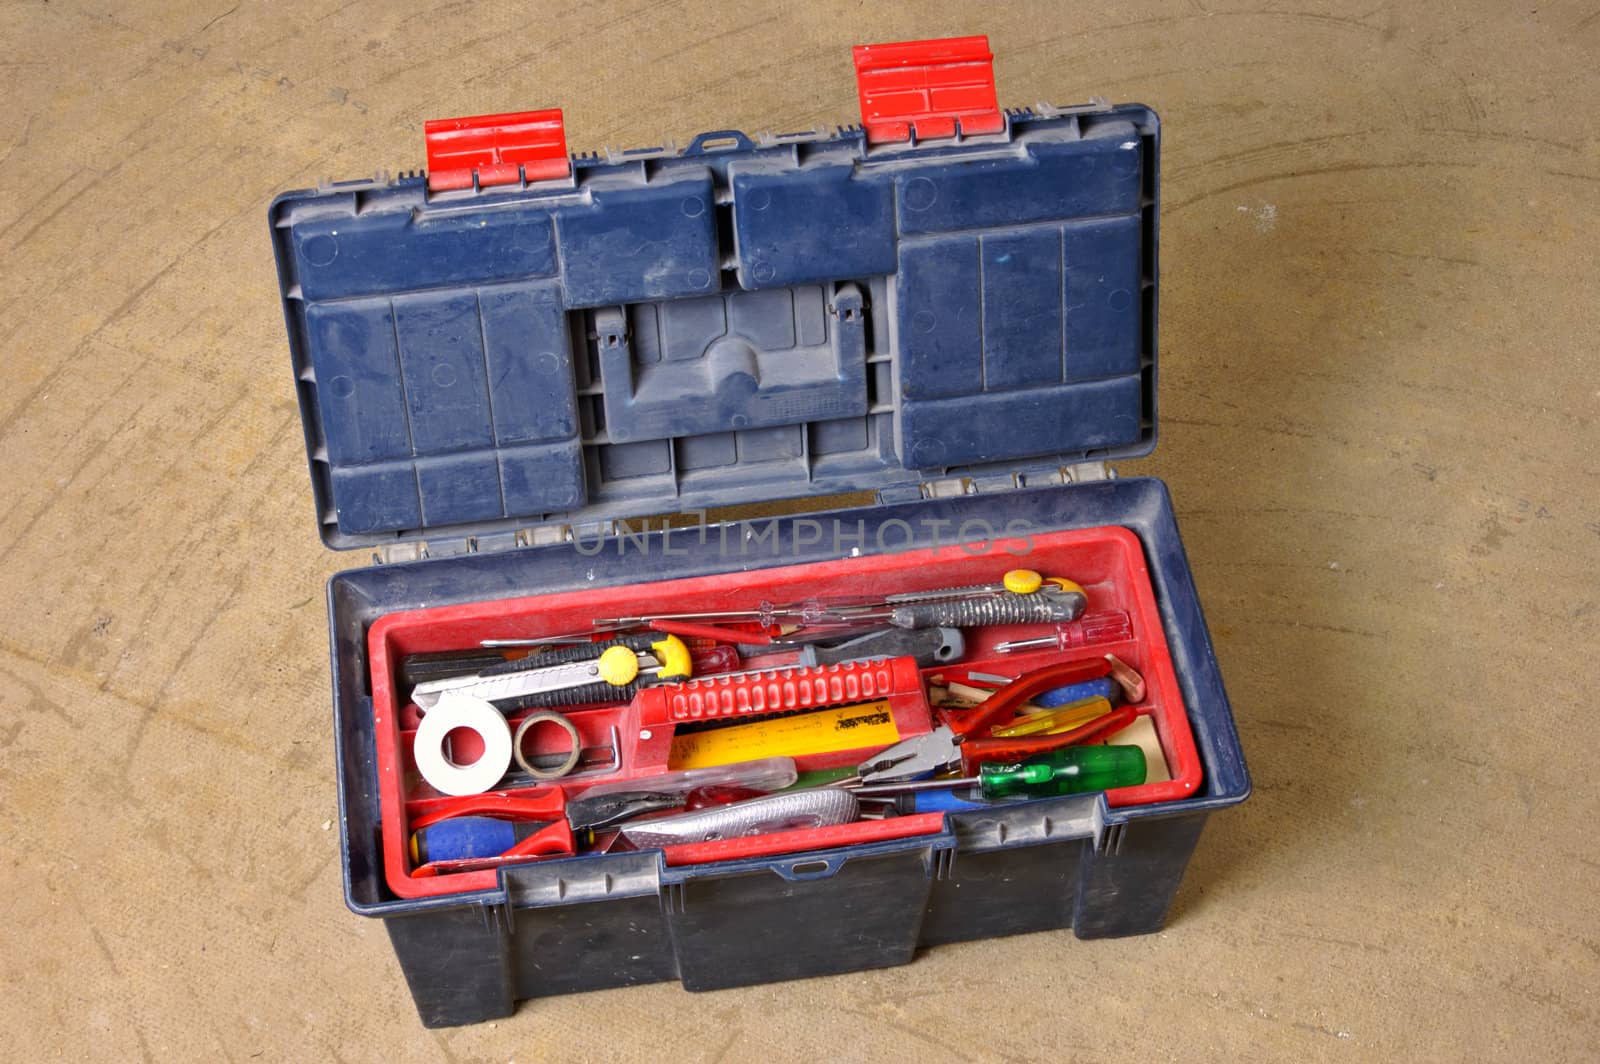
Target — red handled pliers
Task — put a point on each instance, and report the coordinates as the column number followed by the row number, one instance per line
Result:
column 963, row 741
column 555, row 839
column 569, row 821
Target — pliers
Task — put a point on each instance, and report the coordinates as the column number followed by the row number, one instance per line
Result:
column 963, row 741
column 568, row 822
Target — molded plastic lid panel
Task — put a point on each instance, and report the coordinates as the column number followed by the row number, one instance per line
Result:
column 796, row 317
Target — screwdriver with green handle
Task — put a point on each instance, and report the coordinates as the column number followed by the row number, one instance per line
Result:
column 1070, row 770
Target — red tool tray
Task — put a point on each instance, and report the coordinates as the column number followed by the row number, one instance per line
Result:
column 1108, row 562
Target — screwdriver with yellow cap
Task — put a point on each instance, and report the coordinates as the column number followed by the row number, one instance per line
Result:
column 1023, row 597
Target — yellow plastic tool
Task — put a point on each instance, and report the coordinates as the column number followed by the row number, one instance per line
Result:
column 673, row 654
column 1063, row 718
column 818, row 731
column 1067, row 585
column 1022, row 581
column 619, row 666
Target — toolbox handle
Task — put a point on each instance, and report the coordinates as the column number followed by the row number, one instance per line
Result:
column 811, row 868
column 706, row 143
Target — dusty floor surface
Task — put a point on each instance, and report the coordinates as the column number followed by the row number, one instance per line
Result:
column 1379, row 404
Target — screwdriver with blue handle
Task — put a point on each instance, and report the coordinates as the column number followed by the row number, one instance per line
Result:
column 535, row 822
column 488, row 826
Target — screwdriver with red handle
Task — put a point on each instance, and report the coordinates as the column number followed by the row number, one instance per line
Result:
column 1100, row 626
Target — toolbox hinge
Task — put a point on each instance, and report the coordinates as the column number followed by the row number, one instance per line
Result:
column 537, row 536
column 994, row 483
column 1086, row 471
column 927, row 89
column 1093, row 106
column 486, row 150
column 400, row 553
column 544, row 535
column 949, row 488
column 420, row 550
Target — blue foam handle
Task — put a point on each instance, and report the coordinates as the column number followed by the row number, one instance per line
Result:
column 465, row 836
column 1105, row 687
column 943, row 800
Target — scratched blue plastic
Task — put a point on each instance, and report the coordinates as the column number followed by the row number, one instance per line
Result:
column 789, row 317
column 943, row 800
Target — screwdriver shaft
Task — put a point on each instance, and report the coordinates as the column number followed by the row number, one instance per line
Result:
column 915, row 785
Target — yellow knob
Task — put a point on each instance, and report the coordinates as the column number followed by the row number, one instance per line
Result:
column 1022, row 581
column 618, row 666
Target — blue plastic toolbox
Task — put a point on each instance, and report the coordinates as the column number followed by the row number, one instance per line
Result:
column 503, row 359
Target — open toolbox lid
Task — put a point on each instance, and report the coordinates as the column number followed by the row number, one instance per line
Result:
column 523, row 338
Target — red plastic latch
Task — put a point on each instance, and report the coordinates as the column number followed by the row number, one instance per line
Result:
column 928, row 86
column 498, row 149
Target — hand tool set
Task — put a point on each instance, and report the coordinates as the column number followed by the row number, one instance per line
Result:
column 792, row 685
column 590, row 729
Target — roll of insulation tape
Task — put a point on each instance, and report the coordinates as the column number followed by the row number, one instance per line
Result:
column 548, row 717
column 462, row 711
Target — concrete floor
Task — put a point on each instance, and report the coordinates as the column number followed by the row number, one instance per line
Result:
column 1379, row 407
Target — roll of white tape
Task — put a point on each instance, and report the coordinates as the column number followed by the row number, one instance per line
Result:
column 454, row 711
